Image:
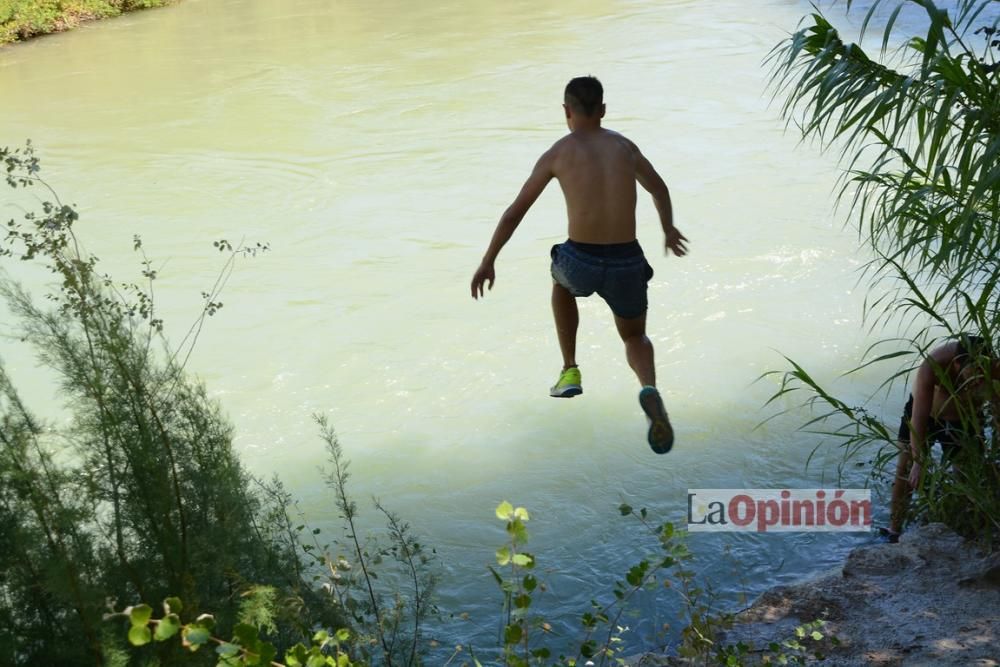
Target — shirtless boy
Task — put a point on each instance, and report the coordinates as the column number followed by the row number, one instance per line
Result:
column 945, row 406
column 597, row 170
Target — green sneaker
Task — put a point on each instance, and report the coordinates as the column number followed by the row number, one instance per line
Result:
column 661, row 433
column 569, row 384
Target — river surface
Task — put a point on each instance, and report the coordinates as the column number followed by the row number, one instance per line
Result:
column 373, row 146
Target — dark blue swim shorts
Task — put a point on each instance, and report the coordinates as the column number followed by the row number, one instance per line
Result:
column 619, row 273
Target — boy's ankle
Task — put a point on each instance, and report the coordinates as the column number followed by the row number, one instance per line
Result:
column 890, row 535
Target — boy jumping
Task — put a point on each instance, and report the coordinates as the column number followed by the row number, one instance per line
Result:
column 597, row 170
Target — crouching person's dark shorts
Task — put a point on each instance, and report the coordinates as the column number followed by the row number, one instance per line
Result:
column 618, row 272
column 954, row 437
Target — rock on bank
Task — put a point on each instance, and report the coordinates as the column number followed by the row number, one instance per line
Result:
column 932, row 599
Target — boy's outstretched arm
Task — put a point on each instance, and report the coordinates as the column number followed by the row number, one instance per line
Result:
column 511, row 218
column 652, row 183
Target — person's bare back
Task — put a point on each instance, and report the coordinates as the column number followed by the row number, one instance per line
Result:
column 597, row 171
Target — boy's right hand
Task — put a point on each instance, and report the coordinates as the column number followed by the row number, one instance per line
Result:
column 483, row 273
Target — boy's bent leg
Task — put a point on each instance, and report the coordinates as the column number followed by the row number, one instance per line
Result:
column 638, row 348
column 639, row 352
column 567, row 320
column 900, row 489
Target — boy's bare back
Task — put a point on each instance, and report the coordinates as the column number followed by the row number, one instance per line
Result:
column 597, row 171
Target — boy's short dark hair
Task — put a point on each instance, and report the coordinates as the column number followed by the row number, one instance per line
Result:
column 584, row 94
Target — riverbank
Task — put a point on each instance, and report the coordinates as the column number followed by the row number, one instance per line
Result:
column 24, row 19
column 932, row 599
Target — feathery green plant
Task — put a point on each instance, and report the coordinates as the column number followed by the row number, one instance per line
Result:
column 141, row 495
column 390, row 616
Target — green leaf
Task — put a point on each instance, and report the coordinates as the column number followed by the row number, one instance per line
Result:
column 207, row 621
column 667, row 531
column 226, row 649
column 517, row 531
column 139, row 635
column 296, row 656
column 816, row 635
column 172, row 605
column 512, row 634
column 625, row 509
column 140, row 614
column 168, row 626
column 267, row 652
column 505, row 511
column 342, row 635
column 522, row 514
column 193, row 636
column 245, row 635
column 503, row 556
column 523, row 560
column 638, row 572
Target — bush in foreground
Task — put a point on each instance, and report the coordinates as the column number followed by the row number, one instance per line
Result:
column 140, row 495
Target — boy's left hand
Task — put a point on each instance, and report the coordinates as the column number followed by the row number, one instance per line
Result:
column 675, row 242
column 483, row 273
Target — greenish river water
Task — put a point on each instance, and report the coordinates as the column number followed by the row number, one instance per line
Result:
column 373, row 146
